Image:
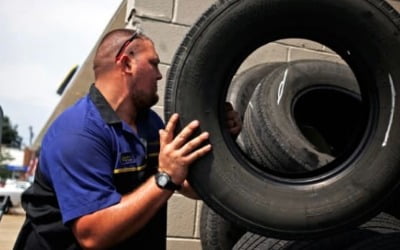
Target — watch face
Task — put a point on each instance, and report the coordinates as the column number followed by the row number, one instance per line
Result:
column 162, row 180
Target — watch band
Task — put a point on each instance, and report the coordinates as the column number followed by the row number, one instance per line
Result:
column 164, row 181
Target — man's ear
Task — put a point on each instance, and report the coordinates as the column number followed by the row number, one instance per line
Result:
column 127, row 64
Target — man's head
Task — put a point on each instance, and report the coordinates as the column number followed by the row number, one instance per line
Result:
column 131, row 58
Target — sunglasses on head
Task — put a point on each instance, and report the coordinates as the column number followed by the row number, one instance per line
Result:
column 123, row 47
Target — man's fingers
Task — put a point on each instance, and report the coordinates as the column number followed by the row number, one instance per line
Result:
column 194, row 143
column 231, row 123
column 177, row 153
column 167, row 134
column 185, row 134
column 163, row 137
column 235, row 130
column 171, row 125
column 228, row 106
column 198, row 153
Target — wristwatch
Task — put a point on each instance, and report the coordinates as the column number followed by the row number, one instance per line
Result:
column 164, row 181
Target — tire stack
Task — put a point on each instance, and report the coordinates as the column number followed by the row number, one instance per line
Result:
column 381, row 232
column 317, row 164
column 300, row 115
column 313, row 88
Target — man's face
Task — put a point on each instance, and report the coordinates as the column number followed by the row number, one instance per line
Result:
column 144, row 86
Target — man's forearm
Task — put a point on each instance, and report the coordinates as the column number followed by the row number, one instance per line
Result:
column 114, row 224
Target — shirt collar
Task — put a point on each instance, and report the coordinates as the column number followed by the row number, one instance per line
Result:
column 106, row 112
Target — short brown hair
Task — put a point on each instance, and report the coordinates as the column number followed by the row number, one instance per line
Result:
column 108, row 47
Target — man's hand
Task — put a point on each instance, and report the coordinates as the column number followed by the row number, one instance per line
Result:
column 233, row 121
column 176, row 152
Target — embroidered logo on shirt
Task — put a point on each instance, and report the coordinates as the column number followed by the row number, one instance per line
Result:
column 129, row 163
column 127, row 158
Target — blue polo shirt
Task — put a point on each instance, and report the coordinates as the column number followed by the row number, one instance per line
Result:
column 89, row 150
column 89, row 158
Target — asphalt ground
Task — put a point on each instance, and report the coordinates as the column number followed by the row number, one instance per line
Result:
column 10, row 225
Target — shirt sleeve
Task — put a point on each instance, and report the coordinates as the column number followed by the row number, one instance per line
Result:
column 80, row 167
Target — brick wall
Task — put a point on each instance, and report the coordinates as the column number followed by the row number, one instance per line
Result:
column 166, row 22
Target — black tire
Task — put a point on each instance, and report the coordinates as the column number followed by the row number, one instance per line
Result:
column 381, row 224
column 365, row 33
column 251, row 241
column 216, row 233
column 392, row 207
column 243, row 85
column 379, row 242
column 280, row 97
column 242, row 88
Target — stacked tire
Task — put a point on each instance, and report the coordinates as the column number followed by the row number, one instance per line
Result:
column 313, row 87
column 381, row 232
column 294, row 122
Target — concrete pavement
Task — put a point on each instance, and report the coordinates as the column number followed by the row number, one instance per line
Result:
column 10, row 225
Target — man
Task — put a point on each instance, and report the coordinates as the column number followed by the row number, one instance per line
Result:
column 107, row 165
